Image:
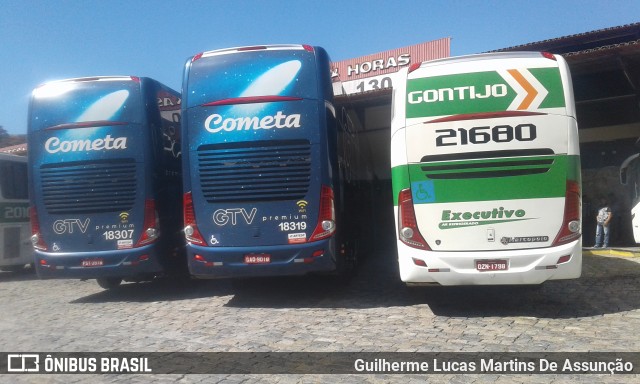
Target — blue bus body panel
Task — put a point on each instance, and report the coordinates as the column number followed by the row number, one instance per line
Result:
column 114, row 263
column 252, row 181
column 84, row 195
column 91, row 161
column 285, row 260
column 255, row 170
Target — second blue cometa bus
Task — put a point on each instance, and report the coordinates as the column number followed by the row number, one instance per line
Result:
column 268, row 164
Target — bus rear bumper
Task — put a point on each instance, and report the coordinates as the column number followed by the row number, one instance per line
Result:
column 280, row 260
column 527, row 266
column 91, row 265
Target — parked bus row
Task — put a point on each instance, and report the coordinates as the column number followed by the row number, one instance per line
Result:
column 261, row 173
column 257, row 170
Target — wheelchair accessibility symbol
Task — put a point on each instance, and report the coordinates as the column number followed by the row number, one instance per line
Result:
column 423, row 191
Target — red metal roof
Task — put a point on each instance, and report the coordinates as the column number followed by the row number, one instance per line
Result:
column 15, row 149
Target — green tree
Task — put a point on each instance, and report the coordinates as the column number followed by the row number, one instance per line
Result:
column 7, row 140
column 4, row 136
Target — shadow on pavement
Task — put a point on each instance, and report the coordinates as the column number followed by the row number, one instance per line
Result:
column 161, row 289
column 608, row 285
column 24, row 274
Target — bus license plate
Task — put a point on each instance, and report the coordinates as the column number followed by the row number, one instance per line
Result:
column 257, row 259
column 93, row 263
column 492, row 265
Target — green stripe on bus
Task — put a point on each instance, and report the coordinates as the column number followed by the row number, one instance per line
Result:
column 550, row 79
column 485, row 180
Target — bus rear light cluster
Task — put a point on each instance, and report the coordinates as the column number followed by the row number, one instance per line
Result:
column 201, row 259
column 36, row 238
column 570, row 229
column 561, row 260
column 309, row 260
column 407, row 223
column 327, row 217
column 544, row 267
column 418, row 262
column 422, row 263
column 141, row 258
column 191, row 232
column 151, row 224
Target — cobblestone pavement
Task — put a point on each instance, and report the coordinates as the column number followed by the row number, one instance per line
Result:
column 373, row 312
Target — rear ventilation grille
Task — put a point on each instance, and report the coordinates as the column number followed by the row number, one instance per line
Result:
column 488, row 169
column 255, row 171
column 89, row 186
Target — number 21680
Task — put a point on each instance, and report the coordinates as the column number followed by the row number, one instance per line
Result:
column 482, row 135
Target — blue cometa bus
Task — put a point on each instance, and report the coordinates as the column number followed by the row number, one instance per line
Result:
column 269, row 164
column 105, row 190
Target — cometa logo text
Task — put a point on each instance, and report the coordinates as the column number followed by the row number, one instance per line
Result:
column 215, row 123
column 54, row 144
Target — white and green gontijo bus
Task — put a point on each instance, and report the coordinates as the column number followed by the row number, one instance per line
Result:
column 485, row 170
column 15, row 232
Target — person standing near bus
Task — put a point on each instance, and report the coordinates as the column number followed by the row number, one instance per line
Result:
column 603, row 220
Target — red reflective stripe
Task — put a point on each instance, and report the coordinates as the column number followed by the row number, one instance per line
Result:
column 87, row 124
column 250, row 100
column 484, row 115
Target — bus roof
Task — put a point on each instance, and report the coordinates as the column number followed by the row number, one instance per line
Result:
column 49, row 87
column 273, row 47
column 486, row 56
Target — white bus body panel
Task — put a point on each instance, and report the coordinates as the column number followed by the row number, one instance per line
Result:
column 526, row 266
column 635, row 222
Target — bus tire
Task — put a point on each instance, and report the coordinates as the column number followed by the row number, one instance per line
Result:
column 109, row 282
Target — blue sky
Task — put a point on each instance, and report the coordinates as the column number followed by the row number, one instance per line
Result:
column 49, row 40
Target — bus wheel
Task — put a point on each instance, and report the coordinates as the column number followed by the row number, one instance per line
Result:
column 109, row 282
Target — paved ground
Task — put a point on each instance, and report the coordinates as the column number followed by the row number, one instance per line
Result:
column 374, row 312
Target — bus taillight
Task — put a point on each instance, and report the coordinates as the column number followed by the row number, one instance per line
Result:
column 36, row 237
column 407, row 223
column 327, row 217
column 570, row 229
column 191, row 231
column 151, row 224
